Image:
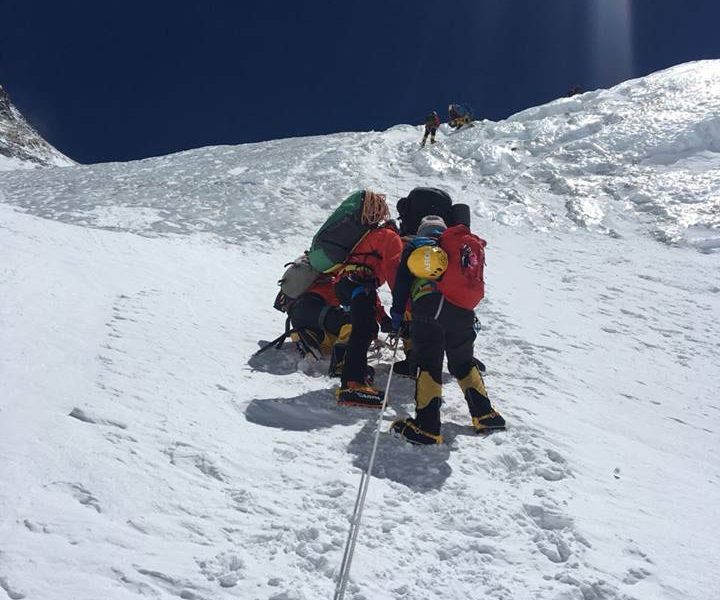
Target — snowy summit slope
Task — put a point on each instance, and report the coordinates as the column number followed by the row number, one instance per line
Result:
column 147, row 454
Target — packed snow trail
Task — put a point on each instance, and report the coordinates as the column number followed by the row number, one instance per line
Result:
column 133, row 393
column 146, row 454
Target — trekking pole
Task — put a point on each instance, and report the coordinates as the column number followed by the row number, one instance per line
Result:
column 362, row 494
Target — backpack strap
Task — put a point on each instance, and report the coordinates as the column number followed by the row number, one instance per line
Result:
column 352, row 254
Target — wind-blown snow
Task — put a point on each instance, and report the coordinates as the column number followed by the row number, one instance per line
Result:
column 145, row 453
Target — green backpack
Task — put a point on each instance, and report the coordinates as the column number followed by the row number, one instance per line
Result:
column 335, row 240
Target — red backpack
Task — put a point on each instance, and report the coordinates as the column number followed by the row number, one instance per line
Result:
column 462, row 283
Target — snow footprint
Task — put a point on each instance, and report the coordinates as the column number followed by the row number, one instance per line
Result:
column 226, row 568
column 555, row 534
column 557, row 468
column 12, row 593
column 527, row 461
column 184, row 455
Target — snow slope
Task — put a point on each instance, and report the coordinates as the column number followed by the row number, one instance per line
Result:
column 146, row 453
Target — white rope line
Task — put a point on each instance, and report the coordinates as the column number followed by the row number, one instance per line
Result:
column 362, row 494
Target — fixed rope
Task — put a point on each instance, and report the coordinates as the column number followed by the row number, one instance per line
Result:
column 362, row 494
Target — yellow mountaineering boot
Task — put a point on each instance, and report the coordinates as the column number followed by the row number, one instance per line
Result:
column 409, row 430
column 344, row 333
column 337, row 353
column 308, row 342
column 485, row 419
column 487, row 423
column 424, row 428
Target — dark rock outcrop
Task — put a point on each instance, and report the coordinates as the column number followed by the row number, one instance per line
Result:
column 20, row 143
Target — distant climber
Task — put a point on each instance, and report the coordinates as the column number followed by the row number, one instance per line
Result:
column 574, row 91
column 432, row 122
column 459, row 115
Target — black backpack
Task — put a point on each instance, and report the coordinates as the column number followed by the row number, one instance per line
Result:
column 421, row 202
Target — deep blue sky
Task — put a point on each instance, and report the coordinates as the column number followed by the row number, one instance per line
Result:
column 110, row 80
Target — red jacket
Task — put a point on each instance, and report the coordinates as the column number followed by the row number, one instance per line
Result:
column 324, row 287
column 380, row 250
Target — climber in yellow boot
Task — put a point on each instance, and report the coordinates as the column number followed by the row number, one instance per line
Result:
column 441, row 270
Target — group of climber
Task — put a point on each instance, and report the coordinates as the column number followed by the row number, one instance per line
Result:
column 433, row 265
column 458, row 115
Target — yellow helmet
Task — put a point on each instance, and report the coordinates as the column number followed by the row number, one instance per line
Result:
column 428, row 262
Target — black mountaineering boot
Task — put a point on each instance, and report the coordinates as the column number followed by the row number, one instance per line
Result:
column 406, row 368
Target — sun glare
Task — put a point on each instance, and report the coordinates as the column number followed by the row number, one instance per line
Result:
column 612, row 41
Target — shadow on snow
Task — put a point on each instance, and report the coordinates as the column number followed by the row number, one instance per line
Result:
column 307, row 412
column 286, row 360
column 419, row 468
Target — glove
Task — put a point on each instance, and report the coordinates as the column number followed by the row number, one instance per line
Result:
column 418, row 242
